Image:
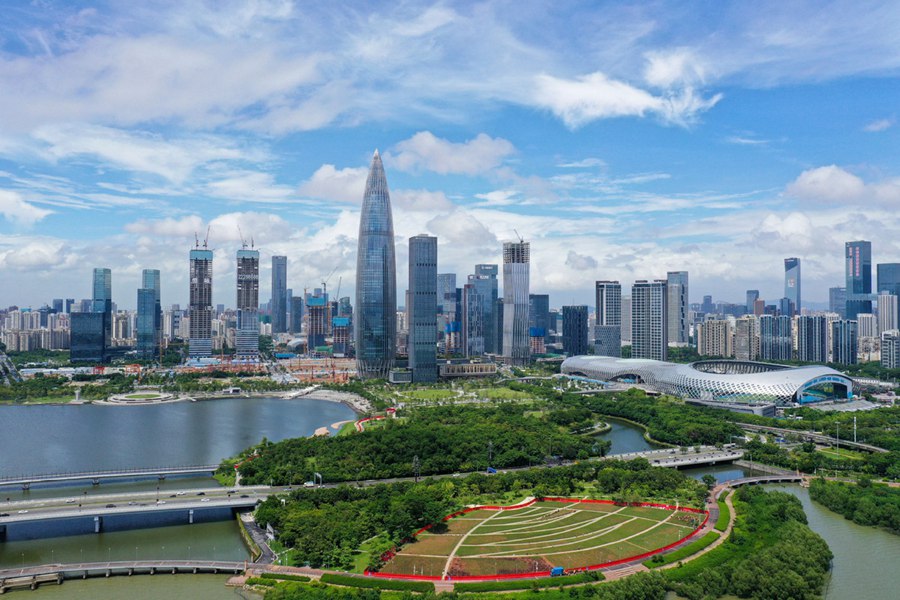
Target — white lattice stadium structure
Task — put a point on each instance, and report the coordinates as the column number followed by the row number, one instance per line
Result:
column 719, row 380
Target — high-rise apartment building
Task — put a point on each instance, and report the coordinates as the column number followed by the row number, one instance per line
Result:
column 148, row 324
column 422, row 309
column 279, row 294
column 812, row 339
column 200, row 312
column 608, row 330
column 649, row 319
column 859, row 278
column 715, row 338
column 792, row 284
column 375, row 319
column 516, row 263
column 246, row 332
column 890, row 349
column 844, row 342
column 295, row 308
column 887, row 312
column 575, row 330
column 625, row 329
column 746, row 338
column 776, row 337
column 677, row 302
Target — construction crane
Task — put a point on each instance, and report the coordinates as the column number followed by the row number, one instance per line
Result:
column 521, row 239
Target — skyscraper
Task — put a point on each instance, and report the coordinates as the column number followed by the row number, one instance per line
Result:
column 149, row 314
column 649, row 320
column 792, row 283
column 539, row 315
column 837, row 300
column 859, row 278
column 608, row 330
column 752, row 297
column 102, row 287
column 423, row 308
column 279, row 294
column 812, row 339
column 844, row 342
column 246, row 334
column 746, row 339
column 376, row 279
column 890, row 350
column 516, row 264
column 679, row 327
column 200, row 314
column 715, row 338
column 888, row 275
column 575, row 330
column 479, row 298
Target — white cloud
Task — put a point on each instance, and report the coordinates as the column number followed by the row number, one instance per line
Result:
column 174, row 159
column 585, row 163
column 498, row 198
column 426, row 151
column 420, row 201
column 678, row 67
column 185, row 227
column 580, row 262
column 263, row 228
column 827, row 184
column 595, row 96
column 342, row 185
column 251, row 186
column 36, row 256
column 16, row 210
column 461, row 227
column 879, row 125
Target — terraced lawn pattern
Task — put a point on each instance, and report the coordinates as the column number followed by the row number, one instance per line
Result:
column 530, row 539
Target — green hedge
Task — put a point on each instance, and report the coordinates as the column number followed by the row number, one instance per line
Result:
column 724, row 515
column 682, row 553
column 260, row 581
column 381, row 584
column 285, row 577
column 527, row 584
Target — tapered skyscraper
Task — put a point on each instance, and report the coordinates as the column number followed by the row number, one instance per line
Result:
column 376, row 279
column 200, row 340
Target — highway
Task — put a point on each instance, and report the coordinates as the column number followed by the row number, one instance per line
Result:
column 811, row 436
column 94, row 504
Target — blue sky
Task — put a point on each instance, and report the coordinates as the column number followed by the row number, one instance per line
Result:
column 622, row 141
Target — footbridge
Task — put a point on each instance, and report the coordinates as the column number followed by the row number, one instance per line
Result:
column 32, row 577
column 796, row 478
column 26, row 481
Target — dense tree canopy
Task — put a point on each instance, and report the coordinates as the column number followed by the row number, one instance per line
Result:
column 865, row 503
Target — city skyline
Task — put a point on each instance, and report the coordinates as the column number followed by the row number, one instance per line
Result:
column 667, row 147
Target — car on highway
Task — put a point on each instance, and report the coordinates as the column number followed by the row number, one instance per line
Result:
column 22, row 512
column 204, row 500
column 201, row 493
column 244, row 496
column 179, row 494
column 4, row 514
column 70, row 501
column 110, row 506
column 158, row 502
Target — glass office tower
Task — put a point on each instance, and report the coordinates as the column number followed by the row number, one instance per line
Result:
column 200, row 314
column 859, row 278
column 149, row 314
column 279, row 294
column 516, row 262
column 376, row 279
column 792, row 283
column 423, row 307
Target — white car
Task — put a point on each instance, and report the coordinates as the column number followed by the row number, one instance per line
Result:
column 22, row 512
column 205, row 500
column 70, row 501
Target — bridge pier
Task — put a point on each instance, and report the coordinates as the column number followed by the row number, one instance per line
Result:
column 26, row 486
column 98, row 524
column 95, row 481
column 161, row 477
column 191, row 516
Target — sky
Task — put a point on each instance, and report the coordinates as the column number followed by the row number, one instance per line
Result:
column 623, row 140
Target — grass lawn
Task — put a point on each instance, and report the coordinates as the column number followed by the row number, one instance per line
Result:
column 141, row 396
column 430, row 394
column 501, row 393
column 42, row 400
column 842, row 453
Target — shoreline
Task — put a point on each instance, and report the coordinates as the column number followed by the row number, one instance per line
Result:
column 353, row 401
